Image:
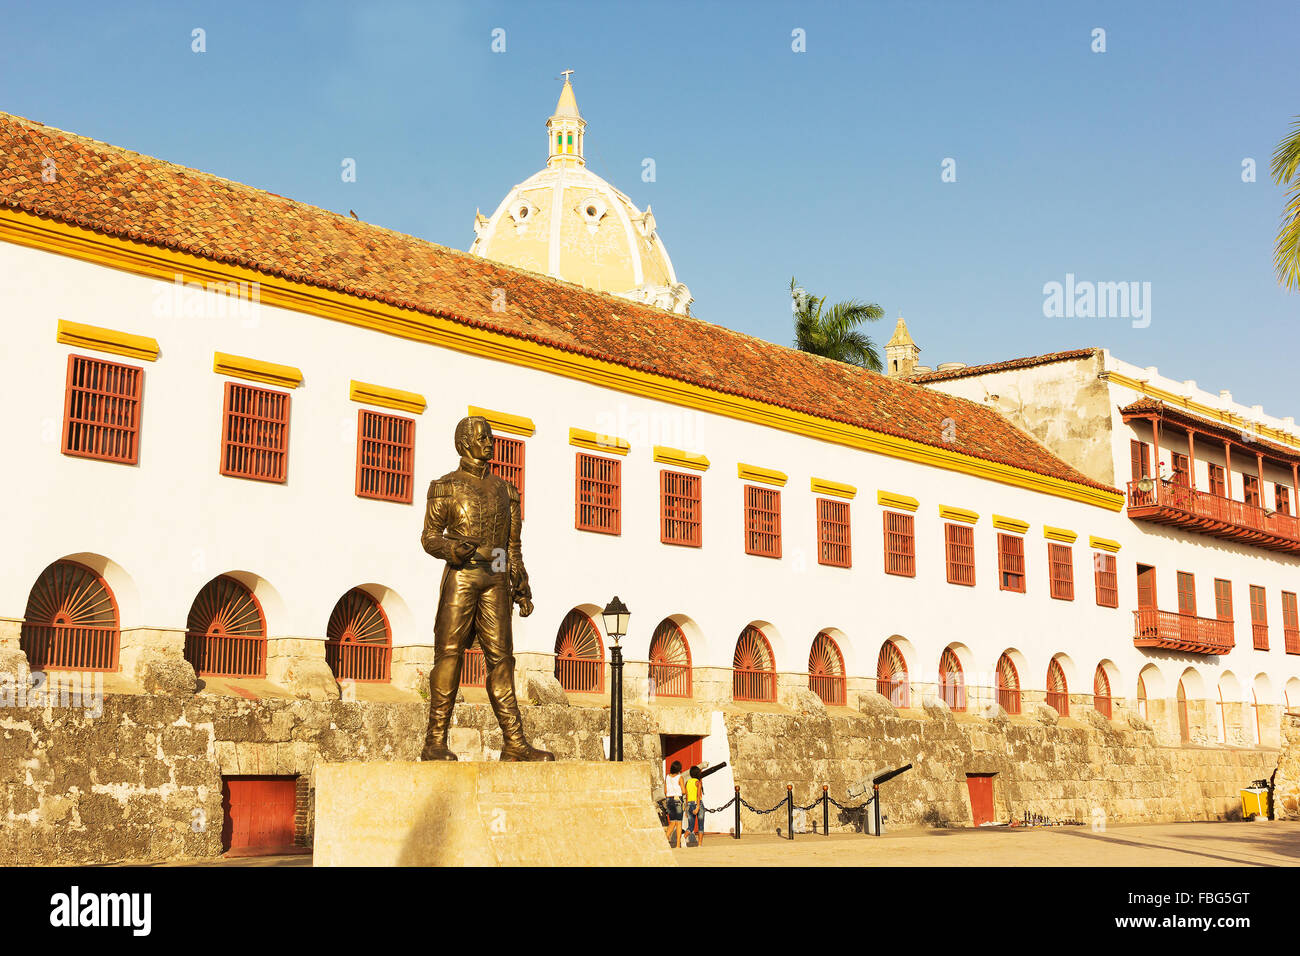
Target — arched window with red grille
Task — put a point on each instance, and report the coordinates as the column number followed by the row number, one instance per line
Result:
column 826, row 670
column 753, row 670
column 1008, row 685
column 952, row 683
column 670, row 661
column 71, row 621
column 225, row 635
column 579, row 654
column 1101, row 701
column 1058, row 695
column 358, row 640
column 891, row 676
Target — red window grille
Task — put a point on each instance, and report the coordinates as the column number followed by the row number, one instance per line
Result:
column 680, row 509
column 1182, row 470
column 952, row 685
column 753, row 672
column 101, row 410
column 1290, row 623
column 1222, row 599
column 1008, row 685
column 1250, row 490
column 1101, row 699
column 1139, row 452
column 1060, row 557
column 1107, row 579
column 960, row 542
column 385, row 456
column 255, row 439
column 71, row 621
column 508, row 463
column 473, row 670
column 1282, row 495
column 891, row 675
column 1218, row 481
column 762, row 521
column 358, row 640
column 826, row 670
column 900, row 544
column 1011, row 563
column 670, row 661
column 1258, row 618
column 579, row 654
column 225, row 635
column 1186, row 593
column 599, row 494
column 834, row 537
column 1058, row 695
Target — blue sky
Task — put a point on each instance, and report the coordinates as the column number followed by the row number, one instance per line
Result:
column 826, row 164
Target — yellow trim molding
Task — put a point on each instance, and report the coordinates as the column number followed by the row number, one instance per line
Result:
column 1199, row 408
column 237, row 366
column 892, row 499
column 768, row 476
column 958, row 514
column 681, row 459
column 1003, row 523
column 1060, row 534
column 824, row 486
column 387, row 397
column 582, row 438
column 1103, row 544
column 168, row 265
column 108, row 340
column 505, row 422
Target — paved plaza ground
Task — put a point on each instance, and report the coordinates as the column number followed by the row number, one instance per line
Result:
column 1159, row 845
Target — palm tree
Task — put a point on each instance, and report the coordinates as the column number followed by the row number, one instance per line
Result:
column 1286, row 169
column 833, row 332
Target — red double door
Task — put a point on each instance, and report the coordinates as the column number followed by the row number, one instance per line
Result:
column 258, row 815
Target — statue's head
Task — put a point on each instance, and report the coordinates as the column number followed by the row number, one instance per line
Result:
column 474, row 438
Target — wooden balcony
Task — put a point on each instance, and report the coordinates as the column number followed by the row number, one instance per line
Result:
column 1168, row 502
column 1181, row 632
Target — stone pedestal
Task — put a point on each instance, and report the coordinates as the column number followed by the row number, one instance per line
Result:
column 581, row 813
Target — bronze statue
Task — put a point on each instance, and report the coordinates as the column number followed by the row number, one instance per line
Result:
column 473, row 522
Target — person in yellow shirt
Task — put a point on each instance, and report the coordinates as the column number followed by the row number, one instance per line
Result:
column 695, row 804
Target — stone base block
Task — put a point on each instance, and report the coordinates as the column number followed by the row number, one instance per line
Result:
column 580, row 813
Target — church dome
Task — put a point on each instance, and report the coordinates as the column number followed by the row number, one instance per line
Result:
column 567, row 222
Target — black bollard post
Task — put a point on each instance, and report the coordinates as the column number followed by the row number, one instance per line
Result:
column 826, row 812
column 736, row 832
column 875, row 802
column 789, row 808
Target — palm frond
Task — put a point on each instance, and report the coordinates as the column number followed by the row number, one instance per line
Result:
column 1285, row 169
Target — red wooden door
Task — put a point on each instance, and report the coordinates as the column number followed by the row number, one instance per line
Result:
column 981, row 797
column 259, row 814
column 689, row 750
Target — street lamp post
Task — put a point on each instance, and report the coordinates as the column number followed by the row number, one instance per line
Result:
column 616, row 617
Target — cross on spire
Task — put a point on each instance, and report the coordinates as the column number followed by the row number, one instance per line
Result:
column 566, row 74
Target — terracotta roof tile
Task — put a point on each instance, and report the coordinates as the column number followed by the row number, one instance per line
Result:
column 119, row 192
column 992, row 367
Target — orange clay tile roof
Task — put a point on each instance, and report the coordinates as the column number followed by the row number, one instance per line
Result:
column 122, row 193
column 992, row 367
column 1172, row 413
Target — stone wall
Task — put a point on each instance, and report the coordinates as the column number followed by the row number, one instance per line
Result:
column 1286, row 782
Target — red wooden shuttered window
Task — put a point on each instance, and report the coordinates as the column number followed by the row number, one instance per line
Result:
column 960, row 545
column 1139, row 453
column 358, row 639
column 1218, row 483
column 508, row 463
column 952, row 685
column 1250, row 490
column 1282, row 495
column 255, row 437
column 762, row 521
column 579, row 654
column 826, row 670
column 753, row 672
column 1008, row 685
column 1060, row 557
column 385, row 456
column 1101, row 701
column 1222, row 599
column 1107, row 579
column 1181, row 470
column 900, row 544
column 225, row 635
column 679, row 509
column 101, row 410
column 599, row 494
column 1186, row 593
column 1146, row 575
column 670, row 661
column 1058, row 695
column 1011, row 562
column 1290, row 624
column 891, row 675
column 834, row 541
column 71, row 621
column 1258, row 617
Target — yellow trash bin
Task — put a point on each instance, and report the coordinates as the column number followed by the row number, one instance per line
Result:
column 1254, row 802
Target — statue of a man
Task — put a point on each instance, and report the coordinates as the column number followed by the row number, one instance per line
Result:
column 472, row 522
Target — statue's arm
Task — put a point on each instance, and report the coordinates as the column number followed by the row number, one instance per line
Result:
column 515, row 552
column 437, row 515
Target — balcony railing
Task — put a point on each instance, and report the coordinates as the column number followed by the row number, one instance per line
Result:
column 896, row 689
column 1168, row 502
column 69, row 647
column 1181, row 632
column 1009, row 699
column 829, row 687
column 363, row 663
column 581, row 675
column 671, row 680
column 1259, row 634
column 753, row 685
column 1059, row 702
column 226, row 655
column 1291, row 638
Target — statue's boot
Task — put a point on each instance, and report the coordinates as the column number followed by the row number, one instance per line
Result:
column 501, row 692
column 442, row 698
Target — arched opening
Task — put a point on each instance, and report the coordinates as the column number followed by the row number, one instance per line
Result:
column 1184, row 727
column 952, row 683
column 1141, row 698
column 579, row 654
column 1008, row 685
column 358, row 639
column 670, row 661
column 225, row 635
column 71, row 622
column 891, row 675
column 753, row 669
column 1058, row 694
column 826, row 670
column 1101, row 700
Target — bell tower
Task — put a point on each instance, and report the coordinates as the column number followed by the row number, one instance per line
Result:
column 565, row 130
column 900, row 352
